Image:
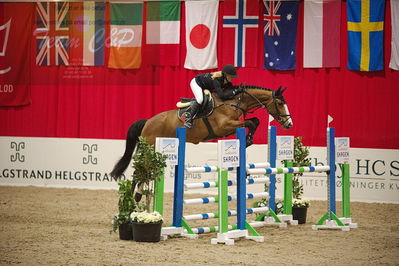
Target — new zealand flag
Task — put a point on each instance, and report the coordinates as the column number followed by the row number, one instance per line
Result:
column 280, row 29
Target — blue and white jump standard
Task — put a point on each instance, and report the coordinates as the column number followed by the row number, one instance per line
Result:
column 227, row 233
column 330, row 218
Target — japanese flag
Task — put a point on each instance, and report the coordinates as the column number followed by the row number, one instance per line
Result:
column 201, row 32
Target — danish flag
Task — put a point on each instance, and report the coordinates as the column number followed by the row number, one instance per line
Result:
column 52, row 33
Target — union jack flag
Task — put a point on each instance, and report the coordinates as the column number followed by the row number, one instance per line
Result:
column 52, row 33
column 271, row 17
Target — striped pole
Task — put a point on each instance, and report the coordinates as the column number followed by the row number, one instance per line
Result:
column 179, row 178
column 208, row 169
column 210, row 215
column 286, row 170
column 228, row 198
column 248, row 181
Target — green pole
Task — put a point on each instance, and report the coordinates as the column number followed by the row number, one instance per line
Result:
column 346, row 208
column 159, row 193
column 223, row 201
column 288, row 190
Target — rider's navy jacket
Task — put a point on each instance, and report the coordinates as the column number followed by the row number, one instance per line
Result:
column 205, row 81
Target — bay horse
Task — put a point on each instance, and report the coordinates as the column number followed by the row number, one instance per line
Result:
column 222, row 122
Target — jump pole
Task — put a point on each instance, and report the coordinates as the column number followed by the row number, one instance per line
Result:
column 224, row 235
column 346, row 206
column 330, row 220
column 272, row 158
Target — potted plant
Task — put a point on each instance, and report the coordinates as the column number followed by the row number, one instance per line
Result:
column 126, row 205
column 299, row 205
column 148, row 165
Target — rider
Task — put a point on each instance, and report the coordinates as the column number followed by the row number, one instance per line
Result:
column 214, row 81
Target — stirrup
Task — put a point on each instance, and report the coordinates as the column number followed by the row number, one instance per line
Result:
column 188, row 124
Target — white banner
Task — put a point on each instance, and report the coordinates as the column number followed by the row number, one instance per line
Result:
column 86, row 163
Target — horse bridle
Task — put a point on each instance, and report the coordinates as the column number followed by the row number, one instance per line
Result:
column 279, row 117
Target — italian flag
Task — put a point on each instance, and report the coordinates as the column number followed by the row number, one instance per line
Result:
column 126, row 31
column 163, row 32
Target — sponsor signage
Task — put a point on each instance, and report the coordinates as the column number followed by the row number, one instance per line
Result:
column 229, row 153
column 285, row 147
column 86, row 163
column 342, row 150
column 169, row 147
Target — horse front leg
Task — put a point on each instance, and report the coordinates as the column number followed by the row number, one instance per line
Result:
column 252, row 124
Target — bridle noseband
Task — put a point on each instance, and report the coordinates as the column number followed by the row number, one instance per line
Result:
column 278, row 116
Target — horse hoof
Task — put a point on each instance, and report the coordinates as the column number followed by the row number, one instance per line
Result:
column 137, row 197
column 249, row 143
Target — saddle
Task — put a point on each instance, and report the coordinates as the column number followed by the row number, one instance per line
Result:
column 206, row 109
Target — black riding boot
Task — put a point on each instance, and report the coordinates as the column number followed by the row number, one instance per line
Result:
column 191, row 113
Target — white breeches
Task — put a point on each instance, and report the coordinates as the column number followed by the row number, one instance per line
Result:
column 197, row 91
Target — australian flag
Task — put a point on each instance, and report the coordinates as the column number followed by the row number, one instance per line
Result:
column 280, row 28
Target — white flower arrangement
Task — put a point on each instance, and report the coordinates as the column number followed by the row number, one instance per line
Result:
column 146, row 217
column 300, row 203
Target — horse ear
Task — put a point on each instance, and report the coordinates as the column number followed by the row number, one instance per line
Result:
column 283, row 90
column 278, row 92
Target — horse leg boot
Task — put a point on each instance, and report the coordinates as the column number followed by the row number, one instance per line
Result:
column 191, row 113
column 252, row 124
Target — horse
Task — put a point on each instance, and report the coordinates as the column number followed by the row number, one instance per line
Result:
column 222, row 121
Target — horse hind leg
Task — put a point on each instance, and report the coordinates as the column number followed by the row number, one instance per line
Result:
column 252, row 124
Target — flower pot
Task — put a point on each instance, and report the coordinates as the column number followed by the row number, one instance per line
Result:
column 299, row 213
column 125, row 231
column 147, row 232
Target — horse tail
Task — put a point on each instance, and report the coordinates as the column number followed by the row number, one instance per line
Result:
column 131, row 140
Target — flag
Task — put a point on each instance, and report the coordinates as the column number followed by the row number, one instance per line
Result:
column 201, row 33
column 52, row 33
column 321, row 46
column 163, row 33
column 126, row 32
column 87, row 32
column 280, row 28
column 365, row 34
column 240, row 23
column 17, row 22
column 394, row 63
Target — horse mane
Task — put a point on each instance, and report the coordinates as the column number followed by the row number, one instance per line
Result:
column 250, row 87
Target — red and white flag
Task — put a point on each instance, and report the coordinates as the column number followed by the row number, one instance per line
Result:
column 201, row 33
column 321, row 33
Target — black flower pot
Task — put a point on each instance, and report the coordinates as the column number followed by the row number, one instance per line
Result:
column 125, row 231
column 147, row 232
column 299, row 213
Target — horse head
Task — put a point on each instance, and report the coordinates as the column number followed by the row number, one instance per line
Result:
column 279, row 110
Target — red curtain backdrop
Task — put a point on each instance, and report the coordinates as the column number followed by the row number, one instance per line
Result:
column 98, row 102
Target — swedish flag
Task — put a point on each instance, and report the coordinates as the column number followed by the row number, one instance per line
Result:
column 365, row 34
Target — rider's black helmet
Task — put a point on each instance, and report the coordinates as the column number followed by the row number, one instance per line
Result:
column 230, row 70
